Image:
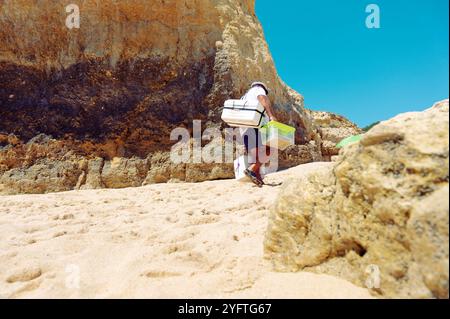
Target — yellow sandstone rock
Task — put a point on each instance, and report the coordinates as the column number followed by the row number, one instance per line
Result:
column 383, row 207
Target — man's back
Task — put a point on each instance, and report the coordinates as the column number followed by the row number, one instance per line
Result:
column 252, row 98
column 252, row 95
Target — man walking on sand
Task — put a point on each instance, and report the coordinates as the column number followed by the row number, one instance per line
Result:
column 252, row 136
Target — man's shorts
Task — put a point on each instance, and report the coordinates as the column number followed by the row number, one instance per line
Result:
column 252, row 139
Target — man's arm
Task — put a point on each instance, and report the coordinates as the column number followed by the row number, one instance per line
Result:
column 265, row 101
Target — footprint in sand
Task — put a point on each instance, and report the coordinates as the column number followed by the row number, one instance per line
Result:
column 204, row 219
column 181, row 237
column 23, row 275
column 124, row 237
column 190, row 212
column 60, row 234
column 178, row 247
column 172, row 219
column 10, row 254
column 83, row 230
column 32, row 230
column 189, row 235
column 67, row 217
column 5, row 211
column 161, row 274
column 244, row 206
column 31, row 241
column 199, row 260
column 63, row 217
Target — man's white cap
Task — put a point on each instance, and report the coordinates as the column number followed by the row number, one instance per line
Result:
column 260, row 84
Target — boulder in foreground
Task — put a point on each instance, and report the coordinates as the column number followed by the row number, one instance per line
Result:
column 382, row 209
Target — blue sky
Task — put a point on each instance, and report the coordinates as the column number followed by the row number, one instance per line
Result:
column 323, row 49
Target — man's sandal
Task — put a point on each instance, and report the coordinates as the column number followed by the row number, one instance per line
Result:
column 252, row 175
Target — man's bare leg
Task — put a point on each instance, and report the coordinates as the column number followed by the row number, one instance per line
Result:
column 255, row 167
column 261, row 159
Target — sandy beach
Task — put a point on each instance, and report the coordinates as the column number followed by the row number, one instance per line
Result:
column 160, row 241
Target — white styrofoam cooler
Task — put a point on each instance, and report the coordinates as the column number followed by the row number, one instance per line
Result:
column 240, row 113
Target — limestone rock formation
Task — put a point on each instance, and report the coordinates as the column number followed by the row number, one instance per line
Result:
column 332, row 128
column 118, row 85
column 379, row 216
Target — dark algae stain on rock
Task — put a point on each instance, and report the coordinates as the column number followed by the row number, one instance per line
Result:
column 92, row 100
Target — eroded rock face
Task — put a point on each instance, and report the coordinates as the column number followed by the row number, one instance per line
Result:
column 117, row 86
column 332, row 128
column 132, row 71
column 383, row 206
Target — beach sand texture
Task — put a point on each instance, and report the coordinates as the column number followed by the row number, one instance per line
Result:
column 181, row 240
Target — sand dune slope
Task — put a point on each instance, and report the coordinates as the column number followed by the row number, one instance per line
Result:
column 160, row 241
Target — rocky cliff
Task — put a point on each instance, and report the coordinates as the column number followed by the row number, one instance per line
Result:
column 332, row 129
column 379, row 216
column 76, row 101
